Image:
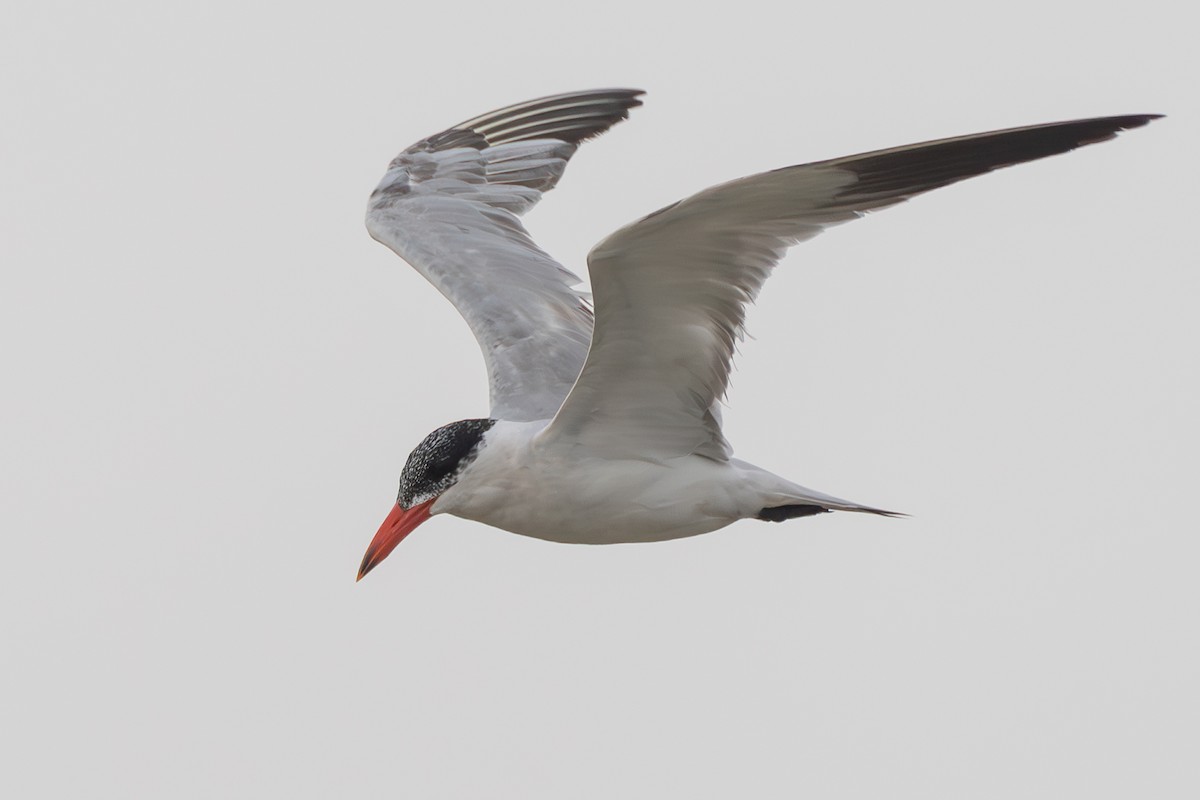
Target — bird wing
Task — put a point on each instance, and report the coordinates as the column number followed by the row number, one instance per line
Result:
column 671, row 290
column 449, row 206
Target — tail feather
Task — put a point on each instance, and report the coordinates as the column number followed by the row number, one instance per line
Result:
column 794, row 510
column 781, row 513
column 782, row 500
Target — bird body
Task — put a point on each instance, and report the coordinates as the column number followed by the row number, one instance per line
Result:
column 605, row 427
column 522, row 483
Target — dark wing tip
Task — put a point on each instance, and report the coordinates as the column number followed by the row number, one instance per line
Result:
column 1138, row 120
column 909, row 170
column 573, row 118
column 1105, row 128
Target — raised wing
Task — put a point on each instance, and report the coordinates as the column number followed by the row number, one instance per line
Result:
column 448, row 206
column 671, row 290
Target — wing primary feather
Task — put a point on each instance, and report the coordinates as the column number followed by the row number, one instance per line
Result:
column 571, row 118
column 914, row 169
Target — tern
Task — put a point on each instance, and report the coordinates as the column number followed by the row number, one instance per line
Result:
column 605, row 424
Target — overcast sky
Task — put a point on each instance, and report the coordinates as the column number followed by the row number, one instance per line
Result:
column 213, row 377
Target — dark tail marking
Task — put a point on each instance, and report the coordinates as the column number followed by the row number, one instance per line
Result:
column 780, row 513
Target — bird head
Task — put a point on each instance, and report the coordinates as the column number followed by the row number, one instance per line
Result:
column 432, row 467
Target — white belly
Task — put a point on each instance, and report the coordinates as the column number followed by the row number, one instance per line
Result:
column 569, row 497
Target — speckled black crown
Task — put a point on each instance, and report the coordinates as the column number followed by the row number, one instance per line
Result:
column 435, row 464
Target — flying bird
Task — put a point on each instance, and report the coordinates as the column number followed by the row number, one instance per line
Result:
column 605, row 424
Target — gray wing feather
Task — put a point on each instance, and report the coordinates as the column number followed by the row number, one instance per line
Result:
column 448, row 206
column 671, row 290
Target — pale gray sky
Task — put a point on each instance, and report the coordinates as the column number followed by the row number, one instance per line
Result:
column 213, row 378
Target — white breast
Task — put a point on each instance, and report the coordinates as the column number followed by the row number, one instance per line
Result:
column 520, row 484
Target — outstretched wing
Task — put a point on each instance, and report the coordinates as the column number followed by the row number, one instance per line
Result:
column 448, row 206
column 671, row 290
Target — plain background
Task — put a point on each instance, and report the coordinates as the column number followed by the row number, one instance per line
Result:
column 213, row 376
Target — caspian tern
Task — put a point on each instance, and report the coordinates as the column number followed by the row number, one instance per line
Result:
column 606, row 428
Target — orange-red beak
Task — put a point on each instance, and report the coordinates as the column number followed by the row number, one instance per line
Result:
column 400, row 523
